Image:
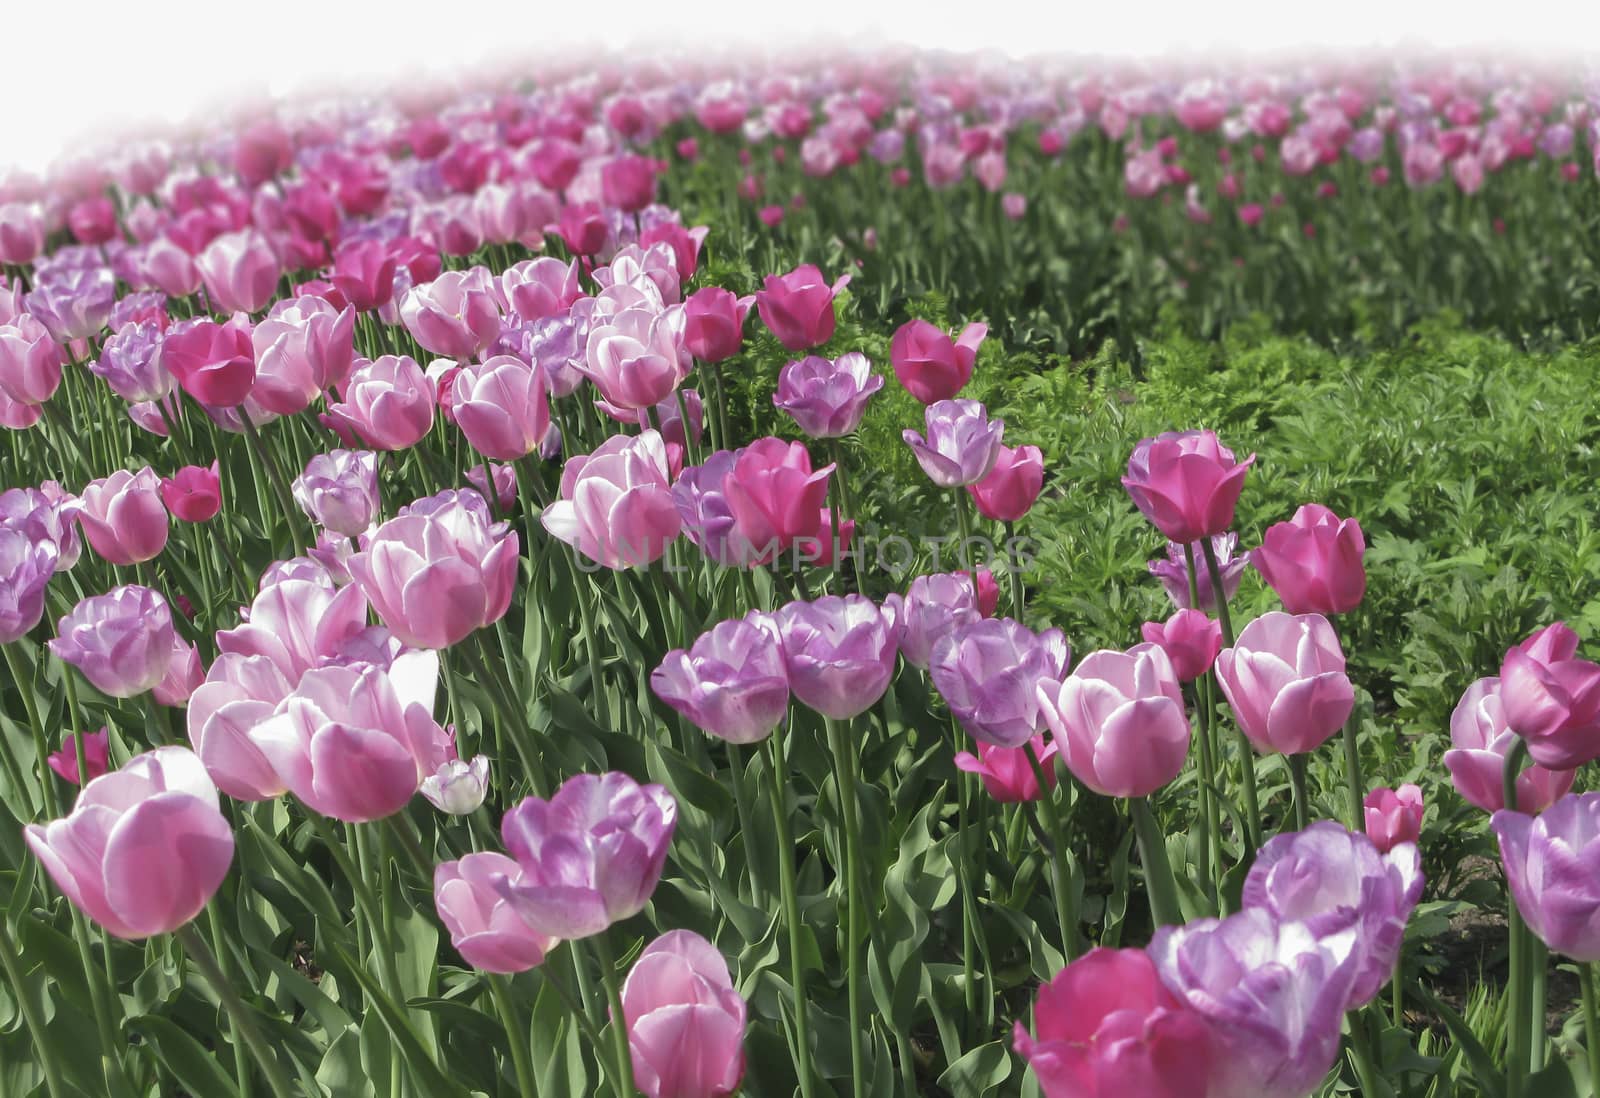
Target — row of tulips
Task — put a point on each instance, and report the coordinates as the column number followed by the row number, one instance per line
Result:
column 644, row 625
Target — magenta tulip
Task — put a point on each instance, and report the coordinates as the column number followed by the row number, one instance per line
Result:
column 1007, row 773
column 193, row 493
column 1552, row 699
column 1393, row 816
column 1186, row 483
column 798, row 307
column 1190, row 639
column 1009, row 490
column 215, row 363
column 931, row 365
column 713, row 323
column 1313, row 562
column 96, row 751
column 774, row 494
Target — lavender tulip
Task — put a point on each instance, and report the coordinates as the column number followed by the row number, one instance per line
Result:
column 122, row 641
column 590, row 856
column 45, row 514
column 827, row 399
column 989, row 671
column 457, row 788
column 130, row 363
column 962, row 445
column 1550, row 862
column 731, row 682
column 840, row 653
column 933, row 608
column 26, row 565
column 339, row 490
column 1174, row 572
column 74, row 304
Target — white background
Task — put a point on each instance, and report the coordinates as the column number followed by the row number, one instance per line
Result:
column 77, row 70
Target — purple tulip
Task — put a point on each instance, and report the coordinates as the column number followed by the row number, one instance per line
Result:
column 963, row 443
column 988, row 673
column 1271, row 992
column 840, row 652
column 1550, row 863
column 130, row 363
column 1334, row 880
column 590, row 856
column 339, row 490
column 1174, row 572
column 731, row 683
column 45, row 514
column 122, row 641
column 704, row 511
column 74, row 304
column 827, row 399
column 26, row 565
column 933, row 607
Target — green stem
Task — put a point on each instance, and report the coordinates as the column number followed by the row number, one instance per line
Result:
column 24, row 683
column 1214, row 572
column 1013, row 572
column 274, row 475
column 844, row 778
column 1163, row 890
column 42, row 1046
column 845, row 508
column 515, row 1035
column 241, row 1066
column 1591, row 1022
column 1517, row 1024
column 238, row 1013
column 1354, row 781
column 622, row 1059
column 1056, row 849
column 1211, row 840
column 1361, row 1054
column 789, row 890
column 738, row 765
column 1247, row 757
column 1297, row 777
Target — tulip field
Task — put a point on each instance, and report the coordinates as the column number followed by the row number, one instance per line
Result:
column 869, row 575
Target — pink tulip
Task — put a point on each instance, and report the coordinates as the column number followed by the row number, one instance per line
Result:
column 1108, row 1027
column 1285, row 679
column 484, row 929
column 931, row 365
column 96, row 750
column 124, row 518
column 440, row 570
column 1008, row 492
column 1190, row 639
column 539, row 288
column 685, row 244
column 388, row 402
column 636, row 357
column 774, row 494
column 168, row 267
column 1552, row 698
column 295, row 623
column 184, row 676
column 1313, row 561
column 583, row 228
column 303, row 347
column 1186, row 483
column 144, row 848
column 363, row 271
column 194, row 493
column 1480, row 740
column 455, row 315
column 713, row 323
column 1394, row 816
column 30, row 361
column 21, row 233
column 1007, row 772
column 798, row 307
column 240, row 271
column 240, row 692
column 616, row 504
column 503, row 407
column 685, row 1021
column 628, row 182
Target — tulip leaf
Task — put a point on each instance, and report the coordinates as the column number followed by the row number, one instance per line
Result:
column 190, row 1062
column 980, row 1072
column 341, row 1074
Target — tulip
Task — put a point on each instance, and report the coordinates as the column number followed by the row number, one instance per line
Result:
column 840, row 653
column 1285, row 680
column 297, row 621
column 184, row 674
column 1549, row 861
column 96, row 752
column 933, row 608
column 1009, row 490
column 963, row 443
column 798, row 307
column 144, row 848
column 339, row 490
column 1552, row 699
column 303, row 347
column 1393, row 816
column 731, row 683
column 538, row 288
column 1108, row 1027
column 45, row 514
column 215, row 363
column 74, row 305
column 827, row 399
column 1174, row 572
column 707, row 520
column 655, row 267
column 503, row 407
column 455, row 315
column 121, row 641
column 1120, row 720
column 713, row 323
column 583, row 228
column 1186, row 483
column 130, row 362
column 628, row 182
column 22, row 233
column 1271, row 992
column 123, row 516
column 240, row 692
column 989, row 672
column 1313, row 562
column 30, row 361
column 1007, row 773
column 439, row 571
column 590, row 856
column 363, row 271
column 1333, row 880
column 774, row 495
column 388, row 402
column 169, row 267
column 1481, row 740
column 194, row 493
column 684, row 244
column 240, row 271
column 504, row 478
column 685, row 1021
column 26, row 565
column 1190, row 639
column 458, row 788
column 483, row 928
column 635, row 357
column 616, row 506
column 931, row 365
